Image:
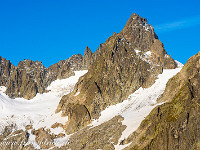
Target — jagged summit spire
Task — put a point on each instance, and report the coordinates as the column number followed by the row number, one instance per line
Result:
column 87, row 51
column 134, row 14
column 87, row 57
column 139, row 33
column 136, row 19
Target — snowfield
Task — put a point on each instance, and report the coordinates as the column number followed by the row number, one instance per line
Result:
column 39, row 111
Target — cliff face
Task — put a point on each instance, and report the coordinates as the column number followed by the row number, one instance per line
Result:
column 126, row 61
column 26, row 80
column 31, row 77
column 175, row 124
column 6, row 68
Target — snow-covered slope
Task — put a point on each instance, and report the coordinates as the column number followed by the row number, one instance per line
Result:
column 137, row 106
column 39, row 111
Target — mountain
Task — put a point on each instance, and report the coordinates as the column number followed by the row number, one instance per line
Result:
column 128, row 94
column 126, row 61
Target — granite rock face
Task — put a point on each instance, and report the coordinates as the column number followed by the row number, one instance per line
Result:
column 125, row 62
column 175, row 124
column 31, row 77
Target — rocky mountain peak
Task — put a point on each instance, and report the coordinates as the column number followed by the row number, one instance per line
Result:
column 139, row 33
column 87, row 51
column 125, row 62
column 141, row 36
column 136, row 19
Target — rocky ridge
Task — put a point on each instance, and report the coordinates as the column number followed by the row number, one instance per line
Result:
column 32, row 77
column 126, row 61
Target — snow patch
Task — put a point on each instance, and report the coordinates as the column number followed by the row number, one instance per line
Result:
column 148, row 53
column 179, row 64
column 77, row 94
column 167, row 56
column 2, row 89
column 147, row 27
column 32, row 141
column 137, row 51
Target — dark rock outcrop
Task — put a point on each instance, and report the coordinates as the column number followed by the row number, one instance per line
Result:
column 126, row 61
column 175, row 124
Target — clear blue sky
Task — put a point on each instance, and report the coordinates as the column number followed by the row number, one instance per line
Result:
column 53, row 30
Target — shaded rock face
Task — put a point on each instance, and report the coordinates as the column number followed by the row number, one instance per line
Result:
column 175, row 124
column 126, row 61
column 31, row 77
